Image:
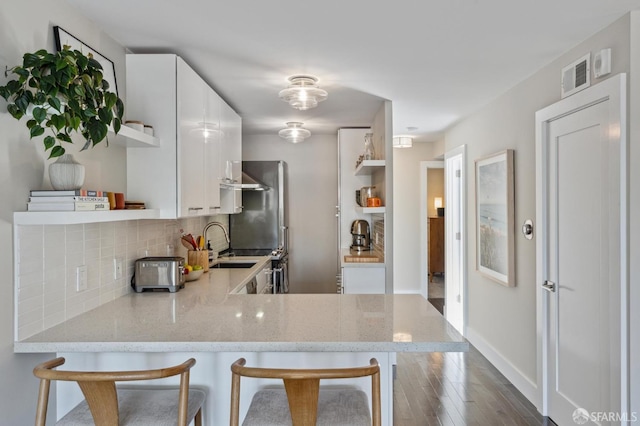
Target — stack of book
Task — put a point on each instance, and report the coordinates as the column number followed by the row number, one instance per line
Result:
column 72, row 200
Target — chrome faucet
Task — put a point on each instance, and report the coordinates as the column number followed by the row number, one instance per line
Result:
column 210, row 224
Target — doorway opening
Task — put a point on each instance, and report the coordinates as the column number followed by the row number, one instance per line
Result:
column 454, row 277
column 432, row 221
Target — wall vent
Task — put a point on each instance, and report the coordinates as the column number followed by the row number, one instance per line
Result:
column 576, row 76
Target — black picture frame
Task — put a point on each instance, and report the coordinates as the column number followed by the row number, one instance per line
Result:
column 63, row 37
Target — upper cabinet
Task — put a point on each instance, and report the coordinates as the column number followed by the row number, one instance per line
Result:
column 230, row 164
column 182, row 176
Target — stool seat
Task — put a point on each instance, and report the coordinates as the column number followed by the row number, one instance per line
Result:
column 106, row 404
column 142, row 407
column 303, row 402
column 336, row 407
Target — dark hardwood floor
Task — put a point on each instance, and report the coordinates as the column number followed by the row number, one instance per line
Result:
column 457, row 389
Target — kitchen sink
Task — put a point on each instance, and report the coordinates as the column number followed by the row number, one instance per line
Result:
column 229, row 265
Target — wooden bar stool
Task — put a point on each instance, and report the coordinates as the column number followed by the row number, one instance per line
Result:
column 303, row 402
column 106, row 405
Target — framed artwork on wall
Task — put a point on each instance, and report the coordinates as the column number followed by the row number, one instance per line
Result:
column 63, row 38
column 494, row 217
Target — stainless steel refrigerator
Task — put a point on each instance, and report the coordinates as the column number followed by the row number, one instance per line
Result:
column 262, row 228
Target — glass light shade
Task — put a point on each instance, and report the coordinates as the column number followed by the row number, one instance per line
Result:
column 294, row 132
column 303, row 92
column 402, row 142
column 437, row 202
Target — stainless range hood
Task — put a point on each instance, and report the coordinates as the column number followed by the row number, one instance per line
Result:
column 249, row 183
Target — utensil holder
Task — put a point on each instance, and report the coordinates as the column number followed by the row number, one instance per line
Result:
column 198, row 257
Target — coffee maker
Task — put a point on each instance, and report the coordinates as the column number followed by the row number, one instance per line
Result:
column 360, row 239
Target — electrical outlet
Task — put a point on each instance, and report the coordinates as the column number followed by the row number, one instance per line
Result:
column 81, row 278
column 117, row 268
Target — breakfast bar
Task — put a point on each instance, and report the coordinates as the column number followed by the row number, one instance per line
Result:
column 205, row 321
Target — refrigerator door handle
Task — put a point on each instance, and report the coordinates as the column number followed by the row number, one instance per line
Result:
column 285, row 236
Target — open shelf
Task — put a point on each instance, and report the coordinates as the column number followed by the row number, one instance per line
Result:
column 69, row 218
column 132, row 138
column 369, row 166
column 370, row 210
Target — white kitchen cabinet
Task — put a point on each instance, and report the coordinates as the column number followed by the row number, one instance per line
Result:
column 181, row 177
column 230, row 164
column 363, row 280
column 192, row 98
column 213, row 150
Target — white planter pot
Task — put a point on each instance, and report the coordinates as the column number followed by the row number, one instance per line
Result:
column 66, row 173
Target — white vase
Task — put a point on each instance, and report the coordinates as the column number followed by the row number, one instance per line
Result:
column 66, row 173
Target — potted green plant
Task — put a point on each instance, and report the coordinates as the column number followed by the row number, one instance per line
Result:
column 63, row 92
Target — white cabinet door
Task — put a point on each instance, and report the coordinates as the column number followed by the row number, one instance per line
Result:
column 212, row 141
column 191, row 159
column 230, row 158
column 151, row 97
column 363, row 280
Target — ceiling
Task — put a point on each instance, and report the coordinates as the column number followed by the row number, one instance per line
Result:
column 436, row 60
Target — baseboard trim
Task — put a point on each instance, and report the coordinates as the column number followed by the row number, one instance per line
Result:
column 528, row 388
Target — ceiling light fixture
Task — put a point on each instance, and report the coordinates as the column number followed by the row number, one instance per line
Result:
column 303, row 92
column 402, row 142
column 294, row 132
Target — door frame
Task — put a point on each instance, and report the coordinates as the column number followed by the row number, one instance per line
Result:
column 424, row 218
column 613, row 90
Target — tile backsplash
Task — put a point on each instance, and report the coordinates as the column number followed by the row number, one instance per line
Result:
column 47, row 258
column 377, row 234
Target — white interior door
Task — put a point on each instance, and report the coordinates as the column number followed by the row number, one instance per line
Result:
column 579, row 170
column 455, row 234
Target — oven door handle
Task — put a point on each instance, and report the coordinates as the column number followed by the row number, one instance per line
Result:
column 276, row 272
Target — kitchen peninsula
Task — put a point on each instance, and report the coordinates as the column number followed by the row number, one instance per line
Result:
column 204, row 321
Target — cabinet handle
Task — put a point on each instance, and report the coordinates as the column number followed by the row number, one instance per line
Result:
column 195, row 208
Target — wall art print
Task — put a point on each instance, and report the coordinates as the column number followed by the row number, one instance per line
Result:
column 494, row 217
column 63, row 38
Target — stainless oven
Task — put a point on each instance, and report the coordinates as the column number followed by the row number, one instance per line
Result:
column 280, row 274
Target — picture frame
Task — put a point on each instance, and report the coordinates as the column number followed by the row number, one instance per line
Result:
column 63, row 38
column 495, row 217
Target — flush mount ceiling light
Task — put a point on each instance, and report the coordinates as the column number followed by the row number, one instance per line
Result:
column 294, row 132
column 402, row 142
column 303, row 92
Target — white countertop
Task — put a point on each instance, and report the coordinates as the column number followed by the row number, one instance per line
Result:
column 204, row 317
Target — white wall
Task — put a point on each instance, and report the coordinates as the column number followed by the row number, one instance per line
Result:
column 406, row 221
column 26, row 26
column 501, row 320
column 313, row 196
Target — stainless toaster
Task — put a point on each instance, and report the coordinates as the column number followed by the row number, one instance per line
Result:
column 158, row 273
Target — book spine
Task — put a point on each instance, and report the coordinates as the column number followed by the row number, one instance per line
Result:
column 68, row 199
column 91, row 206
column 48, row 207
column 85, row 193
column 76, row 192
column 69, row 206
